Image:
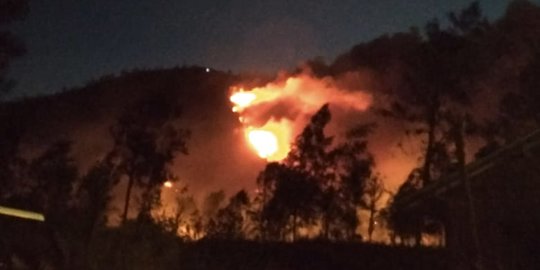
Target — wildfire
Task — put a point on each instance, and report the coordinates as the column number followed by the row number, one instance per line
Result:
column 271, row 141
column 273, row 114
column 264, row 141
column 242, row 100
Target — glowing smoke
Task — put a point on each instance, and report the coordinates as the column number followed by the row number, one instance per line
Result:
column 274, row 114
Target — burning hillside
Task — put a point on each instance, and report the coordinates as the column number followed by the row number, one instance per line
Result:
column 272, row 115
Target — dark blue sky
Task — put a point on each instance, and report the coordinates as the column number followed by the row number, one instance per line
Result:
column 72, row 41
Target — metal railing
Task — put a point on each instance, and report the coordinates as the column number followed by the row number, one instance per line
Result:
column 473, row 169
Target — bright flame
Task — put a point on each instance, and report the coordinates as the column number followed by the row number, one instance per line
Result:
column 271, row 141
column 279, row 110
column 242, row 100
column 265, row 142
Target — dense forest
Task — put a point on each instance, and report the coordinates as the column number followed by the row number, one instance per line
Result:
column 106, row 163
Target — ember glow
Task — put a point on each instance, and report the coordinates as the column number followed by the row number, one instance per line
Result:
column 168, row 184
column 274, row 114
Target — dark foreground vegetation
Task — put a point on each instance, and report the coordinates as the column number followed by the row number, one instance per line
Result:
column 145, row 245
column 308, row 255
column 167, row 252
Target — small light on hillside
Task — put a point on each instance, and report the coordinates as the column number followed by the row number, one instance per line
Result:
column 168, row 184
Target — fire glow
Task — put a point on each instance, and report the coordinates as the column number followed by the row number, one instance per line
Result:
column 271, row 141
column 242, row 100
column 264, row 141
column 274, row 114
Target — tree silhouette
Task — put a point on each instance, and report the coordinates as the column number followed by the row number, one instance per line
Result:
column 11, row 46
column 442, row 78
column 11, row 131
column 439, row 80
column 13, row 165
column 315, row 184
column 374, row 191
column 92, row 198
column 292, row 201
column 53, row 175
column 146, row 140
column 405, row 226
column 519, row 113
column 210, row 207
column 185, row 220
column 353, row 164
column 310, row 155
column 230, row 221
column 292, row 191
column 266, row 182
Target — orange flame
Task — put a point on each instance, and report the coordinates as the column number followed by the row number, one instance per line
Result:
column 264, row 141
column 271, row 141
column 273, row 114
column 242, row 100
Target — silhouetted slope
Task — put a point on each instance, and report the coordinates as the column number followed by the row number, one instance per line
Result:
column 84, row 116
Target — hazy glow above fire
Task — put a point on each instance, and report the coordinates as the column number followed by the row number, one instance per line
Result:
column 272, row 115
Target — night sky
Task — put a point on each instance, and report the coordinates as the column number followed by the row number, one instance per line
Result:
column 71, row 42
